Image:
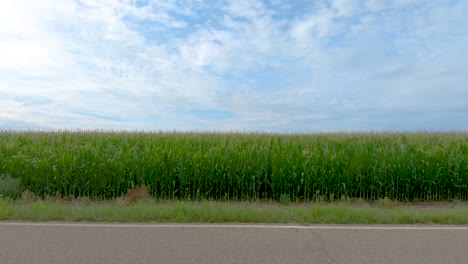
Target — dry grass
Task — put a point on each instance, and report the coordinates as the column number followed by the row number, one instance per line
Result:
column 138, row 194
column 386, row 203
column 28, row 197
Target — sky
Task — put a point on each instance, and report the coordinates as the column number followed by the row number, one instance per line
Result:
column 243, row 65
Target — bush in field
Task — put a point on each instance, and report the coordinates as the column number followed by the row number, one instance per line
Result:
column 235, row 166
column 10, row 187
column 139, row 193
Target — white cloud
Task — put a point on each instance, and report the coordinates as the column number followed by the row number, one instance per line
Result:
column 346, row 8
column 25, row 45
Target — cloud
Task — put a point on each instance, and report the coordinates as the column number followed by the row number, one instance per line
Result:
column 234, row 65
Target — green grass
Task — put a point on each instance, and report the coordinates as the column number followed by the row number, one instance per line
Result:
column 240, row 167
column 10, row 187
column 232, row 212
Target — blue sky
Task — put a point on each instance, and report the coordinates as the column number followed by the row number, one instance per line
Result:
column 245, row 65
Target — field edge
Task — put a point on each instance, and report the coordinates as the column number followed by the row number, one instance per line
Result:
column 151, row 211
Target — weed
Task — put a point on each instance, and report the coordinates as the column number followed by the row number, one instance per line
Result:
column 6, row 210
column 386, row 203
column 138, row 194
column 285, row 199
column 10, row 187
column 29, row 197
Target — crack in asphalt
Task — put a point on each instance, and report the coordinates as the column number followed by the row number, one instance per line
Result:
column 323, row 248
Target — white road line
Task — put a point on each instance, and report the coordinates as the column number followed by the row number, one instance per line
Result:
column 237, row 226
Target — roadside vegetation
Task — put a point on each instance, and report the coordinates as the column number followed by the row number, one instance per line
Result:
column 149, row 210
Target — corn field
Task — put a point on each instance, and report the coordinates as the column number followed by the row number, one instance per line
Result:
column 419, row 166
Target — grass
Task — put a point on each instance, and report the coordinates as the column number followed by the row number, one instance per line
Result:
column 231, row 212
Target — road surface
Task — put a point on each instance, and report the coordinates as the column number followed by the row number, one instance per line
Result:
column 134, row 243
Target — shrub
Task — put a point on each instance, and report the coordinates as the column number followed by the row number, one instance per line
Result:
column 10, row 187
column 137, row 194
column 285, row 199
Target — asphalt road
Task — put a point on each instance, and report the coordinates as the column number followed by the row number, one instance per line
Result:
column 120, row 243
